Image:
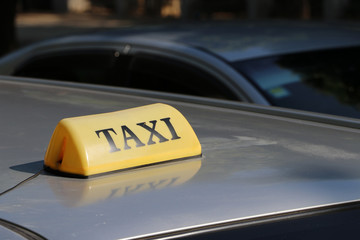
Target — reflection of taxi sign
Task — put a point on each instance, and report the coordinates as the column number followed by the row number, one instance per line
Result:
column 120, row 140
column 80, row 193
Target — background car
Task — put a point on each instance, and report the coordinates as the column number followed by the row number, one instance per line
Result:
column 261, row 175
column 302, row 65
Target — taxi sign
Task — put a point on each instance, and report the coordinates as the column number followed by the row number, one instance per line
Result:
column 126, row 139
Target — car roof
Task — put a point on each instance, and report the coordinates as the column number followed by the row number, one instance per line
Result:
column 235, row 40
column 253, row 164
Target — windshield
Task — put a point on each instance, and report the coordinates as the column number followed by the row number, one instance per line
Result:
column 322, row 81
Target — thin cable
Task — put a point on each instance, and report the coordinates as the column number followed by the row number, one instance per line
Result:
column 22, row 182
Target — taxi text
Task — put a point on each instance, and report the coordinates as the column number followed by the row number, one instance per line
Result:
column 128, row 134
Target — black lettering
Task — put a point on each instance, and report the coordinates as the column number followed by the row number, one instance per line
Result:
column 153, row 132
column 125, row 130
column 109, row 139
column 171, row 128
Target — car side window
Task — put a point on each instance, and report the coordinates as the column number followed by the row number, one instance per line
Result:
column 141, row 71
column 88, row 66
column 168, row 75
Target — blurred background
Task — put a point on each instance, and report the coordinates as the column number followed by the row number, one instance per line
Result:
column 26, row 21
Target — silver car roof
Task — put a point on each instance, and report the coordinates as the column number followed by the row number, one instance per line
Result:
column 253, row 164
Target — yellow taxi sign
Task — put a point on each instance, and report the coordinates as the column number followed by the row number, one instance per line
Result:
column 120, row 140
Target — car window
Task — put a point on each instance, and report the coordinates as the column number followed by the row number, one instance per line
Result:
column 164, row 74
column 320, row 81
column 108, row 67
column 88, row 66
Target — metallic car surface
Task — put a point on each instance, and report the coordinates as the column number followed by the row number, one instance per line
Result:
column 207, row 46
column 253, row 164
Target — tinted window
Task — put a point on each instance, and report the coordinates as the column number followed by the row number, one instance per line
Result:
column 322, row 81
column 94, row 66
column 108, row 67
column 164, row 74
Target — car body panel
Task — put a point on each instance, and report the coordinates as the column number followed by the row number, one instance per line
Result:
column 253, row 164
column 211, row 47
column 243, row 40
column 200, row 59
column 233, row 41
